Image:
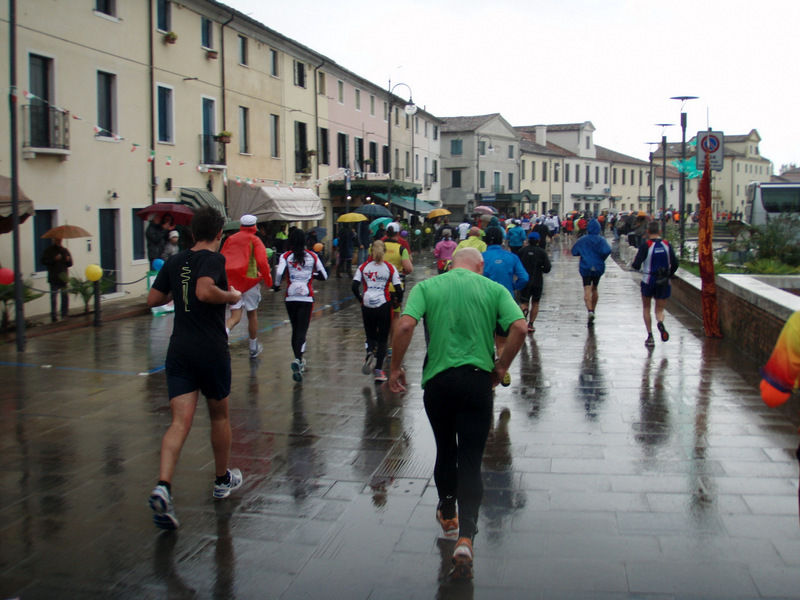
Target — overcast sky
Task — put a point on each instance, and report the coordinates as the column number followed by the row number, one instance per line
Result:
column 615, row 63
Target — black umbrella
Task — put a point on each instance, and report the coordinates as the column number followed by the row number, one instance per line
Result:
column 373, row 210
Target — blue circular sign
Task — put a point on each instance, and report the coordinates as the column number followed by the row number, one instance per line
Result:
column 710, row 144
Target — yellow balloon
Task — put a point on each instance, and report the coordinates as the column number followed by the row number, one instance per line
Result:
column 427, row 230
column 94, row 272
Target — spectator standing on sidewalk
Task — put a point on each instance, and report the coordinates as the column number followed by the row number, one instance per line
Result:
column 458, row 386
column 58, row 260
column 364, row 241
column 246, row 265
column 301, row 266
column 593, row 250
column 171, row 248
column 658, row 262
column 198, row 359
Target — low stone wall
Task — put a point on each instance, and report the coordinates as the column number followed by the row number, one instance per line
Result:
column 751, row 311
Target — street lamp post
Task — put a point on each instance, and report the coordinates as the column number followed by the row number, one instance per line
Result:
column 664, row 177
column 682, row 192
column 410, row 110
column 478, row 165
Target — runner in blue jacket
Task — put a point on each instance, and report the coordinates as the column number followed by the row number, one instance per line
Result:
column 505, row 268
column 593, row 250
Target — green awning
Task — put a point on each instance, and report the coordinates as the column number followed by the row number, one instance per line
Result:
column 198, row 198
column 407, row 203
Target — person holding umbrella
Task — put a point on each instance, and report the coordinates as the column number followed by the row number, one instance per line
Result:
column 58, row 260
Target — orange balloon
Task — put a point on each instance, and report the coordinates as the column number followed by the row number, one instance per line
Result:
column 318, row 247
column 772, row 396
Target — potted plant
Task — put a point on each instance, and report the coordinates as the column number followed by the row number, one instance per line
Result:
column 311, row 152
column 224, row 137
column 212, row 54
column 170, row 37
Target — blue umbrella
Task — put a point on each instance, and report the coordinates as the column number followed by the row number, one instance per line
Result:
column 373, row 210
column 321, row 232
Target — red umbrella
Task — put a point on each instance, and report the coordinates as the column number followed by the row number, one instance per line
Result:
column 181, row 214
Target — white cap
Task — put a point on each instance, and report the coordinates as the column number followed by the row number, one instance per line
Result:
column 174, row 234
column 248, row 220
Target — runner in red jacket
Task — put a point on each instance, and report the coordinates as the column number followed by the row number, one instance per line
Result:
column 246, row 265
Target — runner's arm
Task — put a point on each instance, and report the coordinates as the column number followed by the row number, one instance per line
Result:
column 208, row 292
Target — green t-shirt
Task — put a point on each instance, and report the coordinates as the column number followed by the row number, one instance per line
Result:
column 461, row 310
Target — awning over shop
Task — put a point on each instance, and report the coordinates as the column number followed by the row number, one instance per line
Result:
column 25, row 205
column 407, row 203
column 273, row 203
column 198, row 198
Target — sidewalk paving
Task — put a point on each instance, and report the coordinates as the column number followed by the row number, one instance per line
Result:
column 623, row 472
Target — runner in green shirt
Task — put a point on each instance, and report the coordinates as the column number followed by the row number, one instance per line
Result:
column 461, row 309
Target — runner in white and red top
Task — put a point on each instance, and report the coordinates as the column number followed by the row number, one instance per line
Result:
column 371, row 285
column 301, row 267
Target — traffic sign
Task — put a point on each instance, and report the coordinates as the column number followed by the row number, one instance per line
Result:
column 710, row 144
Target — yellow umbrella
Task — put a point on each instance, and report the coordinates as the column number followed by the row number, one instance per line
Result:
column 438, row 212
column 351, row 217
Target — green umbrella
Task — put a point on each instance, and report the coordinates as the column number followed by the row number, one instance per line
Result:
column 373, row 227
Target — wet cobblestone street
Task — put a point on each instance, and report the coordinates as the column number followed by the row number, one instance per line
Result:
column 623, row 472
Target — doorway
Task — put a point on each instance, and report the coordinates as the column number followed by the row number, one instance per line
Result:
column 109, row 242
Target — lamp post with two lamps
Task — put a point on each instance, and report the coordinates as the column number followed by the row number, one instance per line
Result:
column 478, row 165
column 664, row 175
column 682, row 192
column 410, row 109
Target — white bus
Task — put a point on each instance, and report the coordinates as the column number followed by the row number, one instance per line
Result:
column 766, row 200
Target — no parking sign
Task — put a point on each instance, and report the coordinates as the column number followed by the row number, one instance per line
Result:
column 710, row 144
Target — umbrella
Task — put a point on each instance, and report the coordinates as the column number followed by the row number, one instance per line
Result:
column 66, row 232
column 373, row 210
column 351, row 217
column 373, row 227
column 486, row 210
column 321, row 232
column 438, row 212
column 181, row 214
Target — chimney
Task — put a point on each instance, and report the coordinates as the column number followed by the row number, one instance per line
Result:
column 541, row 135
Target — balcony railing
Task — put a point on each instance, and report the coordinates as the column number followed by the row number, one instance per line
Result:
column 212, row 151
column 45, row 127
column 498, row 189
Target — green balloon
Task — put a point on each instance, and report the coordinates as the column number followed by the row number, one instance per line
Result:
column 270, row 252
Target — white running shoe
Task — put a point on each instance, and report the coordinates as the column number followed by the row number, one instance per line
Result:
column 163, row 511
column 223, row 490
